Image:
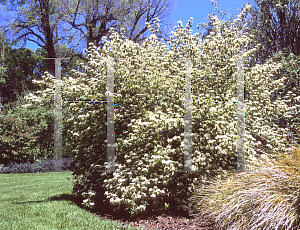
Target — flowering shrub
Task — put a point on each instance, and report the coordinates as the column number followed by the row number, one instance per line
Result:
column 149, row 140
column 290, row 90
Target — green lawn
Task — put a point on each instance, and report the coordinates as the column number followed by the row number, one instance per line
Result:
column 44, row 201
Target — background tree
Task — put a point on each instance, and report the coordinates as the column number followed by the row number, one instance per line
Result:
column 19, row 66
column 35, row 15
column 45, row 23
column 38, row 22
column 2, row 79
column 99, row 16
column 22, row 65
column 275, row 25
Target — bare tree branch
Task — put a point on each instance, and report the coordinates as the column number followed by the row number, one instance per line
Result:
column 101, row 15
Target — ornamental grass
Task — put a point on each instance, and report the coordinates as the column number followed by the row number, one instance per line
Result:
column 264, row 198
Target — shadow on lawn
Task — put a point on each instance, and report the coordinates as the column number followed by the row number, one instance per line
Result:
column 66, row 197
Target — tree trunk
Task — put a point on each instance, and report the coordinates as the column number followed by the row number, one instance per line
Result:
column 48, row 33
column 1, row 69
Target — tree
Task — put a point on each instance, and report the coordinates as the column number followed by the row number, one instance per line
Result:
column 19, row 66
column 35, row 15
column 2, row 79
column 22, row 65
column 38, row 22
column 99, row 16
column 275, row 25
column 41, row 19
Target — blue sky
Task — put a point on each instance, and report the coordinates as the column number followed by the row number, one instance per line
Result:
column 184, row 9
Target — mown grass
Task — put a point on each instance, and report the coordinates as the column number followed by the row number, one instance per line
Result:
column 44, row 201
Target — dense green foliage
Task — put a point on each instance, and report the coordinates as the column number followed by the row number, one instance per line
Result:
column 290, row 90
column 18, row 140
column 275, row 25
column 21, row 67
column 35, row 125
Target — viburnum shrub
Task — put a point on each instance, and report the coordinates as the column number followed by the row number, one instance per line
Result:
column 150, row 140
column 290, row 69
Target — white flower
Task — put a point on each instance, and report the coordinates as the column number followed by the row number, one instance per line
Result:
column 25, row 106
column 144, row 194
column 153, row 36
column 142, row 207
column 116, row 174
column 117, row 200
column 121, row 180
